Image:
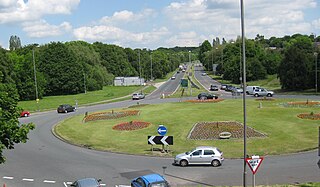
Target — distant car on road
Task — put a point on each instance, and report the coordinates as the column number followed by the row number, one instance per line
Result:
column 150, row 180
column 25, row 113
column 65, row 108
column 203, row 74
column 137, row 96
column 223, row 86
column 250, row 89
column 87, row 182
column 214, row 88
column 173, row 78
column 262, row 92
column 204, row 96
column 200, row 155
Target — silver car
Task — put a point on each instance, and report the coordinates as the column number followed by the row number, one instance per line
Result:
column 137, row 96
column 262, row 92
column 200, row 155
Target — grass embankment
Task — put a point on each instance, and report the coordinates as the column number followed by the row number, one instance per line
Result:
column 107, row 94
column 286, row 133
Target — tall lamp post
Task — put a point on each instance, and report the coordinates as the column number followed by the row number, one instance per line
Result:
column 35, row 79
column 139, row 69
column 244, row 96
column 151, row 66
column 316, row 63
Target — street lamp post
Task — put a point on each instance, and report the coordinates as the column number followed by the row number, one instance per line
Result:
column 189, row 57
column 139, row 69
column 316, row 63
column 151, row 66
column 35, row 79
column 244, row 96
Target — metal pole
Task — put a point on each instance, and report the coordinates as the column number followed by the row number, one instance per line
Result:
column 253, row 180
column 316, row 72
column 244, row 97
column 139, row 68
column 35, row 74
column 151, row 66
column 84, row 82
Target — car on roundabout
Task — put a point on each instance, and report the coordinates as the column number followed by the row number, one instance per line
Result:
column 25, row 113
column 214, row 87
column 150, row 180
column 138, row 96
column 205, row 96
column 65, row 108
column 199, row 156
column 262, row 92
column 87, row 182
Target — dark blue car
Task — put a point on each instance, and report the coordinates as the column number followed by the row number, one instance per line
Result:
column 150, row 180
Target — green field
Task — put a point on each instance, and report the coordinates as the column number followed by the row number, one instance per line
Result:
column 107, row 94
column 286, row 133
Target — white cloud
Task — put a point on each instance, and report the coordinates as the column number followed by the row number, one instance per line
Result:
column 42, row 29
column 20, row 11
column 316, row 23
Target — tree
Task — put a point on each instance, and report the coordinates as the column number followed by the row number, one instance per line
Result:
column 296, row 69
column 14, row 43
column 204, row 47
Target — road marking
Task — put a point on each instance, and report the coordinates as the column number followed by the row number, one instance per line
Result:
column 5, row 177
column 47, row 181
column 68, row 182
column 29, row 180
column 65, row 184
column 103, row 185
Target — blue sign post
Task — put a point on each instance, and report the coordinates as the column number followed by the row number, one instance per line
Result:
column 162, row 130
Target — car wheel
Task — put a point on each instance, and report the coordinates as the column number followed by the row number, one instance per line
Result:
column 203, row 98
column 215, row 163
column 216, row 97
column 256, row 95
column 269, row 95
column 183, row 163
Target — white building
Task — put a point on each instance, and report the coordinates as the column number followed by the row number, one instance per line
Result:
column 128, row 81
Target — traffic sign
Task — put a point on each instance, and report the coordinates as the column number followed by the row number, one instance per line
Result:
column 162, row 130
column 254, row 163
column 184, row 83
column 162, row 140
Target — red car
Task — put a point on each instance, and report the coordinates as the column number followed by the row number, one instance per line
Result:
column 25, row 114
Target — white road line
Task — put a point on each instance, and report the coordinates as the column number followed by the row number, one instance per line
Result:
column 29, row 180
column 65, row 185
column 69, row 182
column 103, row 185
column 47, row 181
column 5, row 177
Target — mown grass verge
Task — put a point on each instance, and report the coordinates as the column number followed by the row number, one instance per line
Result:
column 286, row 133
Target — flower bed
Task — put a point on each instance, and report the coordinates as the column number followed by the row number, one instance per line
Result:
column 311, row 116
column 131, row 125
column 212, row 130
column 110, row 115
column 304, row 104
column 204, row 101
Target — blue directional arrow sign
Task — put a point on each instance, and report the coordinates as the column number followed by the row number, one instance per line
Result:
column 162, row 130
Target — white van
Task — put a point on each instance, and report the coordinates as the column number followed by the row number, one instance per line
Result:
column 250, row 89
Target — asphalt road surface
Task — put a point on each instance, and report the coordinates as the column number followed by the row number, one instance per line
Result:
column 46, row 161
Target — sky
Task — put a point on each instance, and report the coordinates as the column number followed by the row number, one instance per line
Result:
column 153, row 23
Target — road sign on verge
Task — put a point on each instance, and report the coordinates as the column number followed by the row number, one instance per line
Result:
column 184, row 83
column 160, row 140
column 162, row 130
column 319, row 163
column 254, row 163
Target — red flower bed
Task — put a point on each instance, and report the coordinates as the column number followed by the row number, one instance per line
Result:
column 211, row 130
column 132, row 125
column 309, row 116
column 301, row 103
column 204, row 101
column 110, row 115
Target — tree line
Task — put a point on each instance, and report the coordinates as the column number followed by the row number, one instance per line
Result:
column 76, row 66
column 294, row 59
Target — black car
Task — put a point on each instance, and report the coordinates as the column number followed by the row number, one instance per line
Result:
column 204, row 96
column 214, row 88
column 65, row 108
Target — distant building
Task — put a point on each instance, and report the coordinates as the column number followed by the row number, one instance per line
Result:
column 128, row 81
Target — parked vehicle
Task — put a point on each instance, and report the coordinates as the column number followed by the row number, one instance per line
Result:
column 150, row 180
column 262, row 92
column 204, row 96
column 87, row 182
column 200, row 155
column 229, row 88
column 250, row 89
column 25, row 113
column 137, row 96
column 223, row 86
column 65, row 108
column 214, row 87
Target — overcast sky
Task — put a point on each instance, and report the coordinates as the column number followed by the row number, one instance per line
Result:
column 153, row 23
